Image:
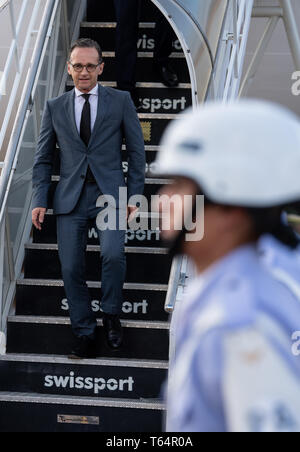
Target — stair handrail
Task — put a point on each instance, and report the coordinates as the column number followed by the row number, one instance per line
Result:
column 9, row 164
column 24, row 101
column 16, row 55
column 228, row 71
column 11, row 260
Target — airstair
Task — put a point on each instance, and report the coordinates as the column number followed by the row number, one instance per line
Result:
column 41, row 390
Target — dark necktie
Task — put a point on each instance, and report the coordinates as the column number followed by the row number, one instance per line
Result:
column 85, row 130
column 85, row 124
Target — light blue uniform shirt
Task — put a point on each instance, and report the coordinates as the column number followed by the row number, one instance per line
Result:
column 283, row 262
column 237, row 297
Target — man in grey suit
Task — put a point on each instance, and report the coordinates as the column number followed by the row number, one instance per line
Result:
column 88, row 124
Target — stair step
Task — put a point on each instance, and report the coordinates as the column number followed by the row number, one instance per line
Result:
column 157, row 98
column 105, row 34
column 92, row 284
column 150, row 152
column 145, row 71
column 90, row 24
column 140, row 238
column 31, row 335
column 145, row 85
column 152, row 187
column 144, row 265
column 122, row 379
column 47, row 298
column 49, row 413
column 105, row 12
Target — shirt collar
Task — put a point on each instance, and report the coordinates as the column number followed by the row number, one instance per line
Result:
column 235, row 262
column 94, row 92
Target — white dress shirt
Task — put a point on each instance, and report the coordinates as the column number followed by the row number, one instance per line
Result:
column 79, row 103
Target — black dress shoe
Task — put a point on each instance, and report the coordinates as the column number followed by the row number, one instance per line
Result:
column 167, row 74
column 113, row 331
column 83, row 348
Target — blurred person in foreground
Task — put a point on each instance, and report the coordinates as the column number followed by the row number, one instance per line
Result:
column 234, row 367
column 281, row 255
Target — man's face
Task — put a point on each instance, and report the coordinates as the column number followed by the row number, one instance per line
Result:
column 224, row 227
column 173, row 206
column 85, row 81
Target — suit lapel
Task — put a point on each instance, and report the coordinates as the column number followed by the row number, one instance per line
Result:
column 101, row 112
column 70, row 111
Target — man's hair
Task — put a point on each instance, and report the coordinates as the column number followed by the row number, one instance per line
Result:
column 270, row 221
column 86, row 43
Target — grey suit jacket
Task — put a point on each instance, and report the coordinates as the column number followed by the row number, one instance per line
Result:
column 116, row 117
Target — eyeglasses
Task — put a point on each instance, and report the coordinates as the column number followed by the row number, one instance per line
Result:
column 89, row 67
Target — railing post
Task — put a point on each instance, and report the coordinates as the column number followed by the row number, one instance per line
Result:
column 292, row 31
column 52, row 56
column 258, row 55
column 236, row 37
column 65, row 23
column 15, row 34
column 2, row 247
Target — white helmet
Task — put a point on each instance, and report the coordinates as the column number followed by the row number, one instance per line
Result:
column 245, row 153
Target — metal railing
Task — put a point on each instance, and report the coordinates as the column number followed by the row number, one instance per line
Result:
column 227, row 76
column 16, row 61
column 273, row 14
column 224, row 57
column 46, row 79
column 226, row 80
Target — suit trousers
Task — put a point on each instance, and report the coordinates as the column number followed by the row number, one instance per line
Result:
column 72, row 233
column 128, row 16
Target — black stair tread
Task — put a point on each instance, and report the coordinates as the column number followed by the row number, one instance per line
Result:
column 148, row 181
column 111, row 24
column 146, row 71
column 138, row 324
column 91, row 284
column 142, row 339
column 104, row 10
column 48, row 298
column 21, row 397
column 145, row 54
column 52, row 375
column 148, row 148
column 144, row 265
column 96, row 248
column 104, row 32
column 107, row 362
column 158, row 116
column 148, row 85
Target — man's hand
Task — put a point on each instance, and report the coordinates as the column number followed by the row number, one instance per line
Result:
column 38, row 216
column 131, row 211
